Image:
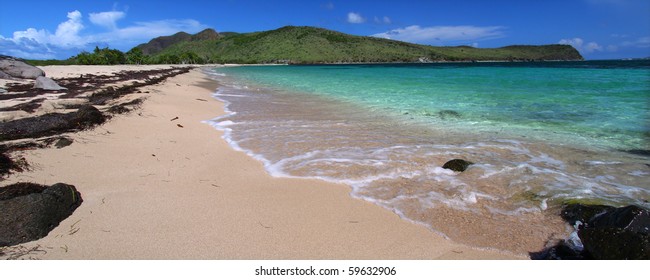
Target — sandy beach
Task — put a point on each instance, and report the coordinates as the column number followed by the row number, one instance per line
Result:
column 160, row 183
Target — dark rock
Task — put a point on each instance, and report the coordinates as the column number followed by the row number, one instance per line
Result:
column 20, row 189
column 63, row 142
column 561, row 251
column 615, row 244
column 444, row 114
column 19, row 69
column 32, row 214
column 47, row 84
column 51, row 124
column 572, row 213
column 631, row 218
column 605, row 233
column 639, row 152
column 88, row 116
column 617, row 234
column 458, row 165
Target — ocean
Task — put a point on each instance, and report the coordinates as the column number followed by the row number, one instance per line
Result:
column 540, row 135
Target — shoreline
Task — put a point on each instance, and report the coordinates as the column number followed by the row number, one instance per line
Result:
column 160, row 189
column 517, row 170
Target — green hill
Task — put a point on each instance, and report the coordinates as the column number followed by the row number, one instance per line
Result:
column 293, row 44
column 158, row 44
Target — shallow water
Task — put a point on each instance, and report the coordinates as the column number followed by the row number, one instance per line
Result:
column 539, row 135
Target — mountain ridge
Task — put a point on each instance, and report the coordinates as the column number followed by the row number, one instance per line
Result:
column 313, row 45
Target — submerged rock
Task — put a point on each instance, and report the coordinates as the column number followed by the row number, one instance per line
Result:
column 444, row 114
column 47, row 84
column 458, row 165
column 30, row 211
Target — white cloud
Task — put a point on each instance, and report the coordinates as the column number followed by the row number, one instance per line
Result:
column 580, row 45
column 384, row 20
column 443, row 34
column 107, row 19
column 31, row 34
column 592, row 47
column 643, row 42
column 355, row 18
column 146, row 30
column 66, row 34
column 68, row 40
column 328, row 6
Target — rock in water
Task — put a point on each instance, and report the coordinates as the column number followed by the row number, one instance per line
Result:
column 47, row 84
column 444, row 114
column 605, row 233
column 18, row 69
column 31, row 211
column 575, row 212
column 618, row 234
column 615, row 244
column 458, row 165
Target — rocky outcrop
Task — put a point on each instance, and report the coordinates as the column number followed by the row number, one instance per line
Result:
column 4, row 75
column 458, row 165
column 30, row 211
column 15, row 68
column 47, row 84
column 603, row 233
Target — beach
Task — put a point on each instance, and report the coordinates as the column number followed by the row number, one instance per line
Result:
column 160, row 182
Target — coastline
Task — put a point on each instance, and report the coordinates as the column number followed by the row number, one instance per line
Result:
column 160, row 189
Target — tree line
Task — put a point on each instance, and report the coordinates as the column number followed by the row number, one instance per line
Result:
column 106, row 56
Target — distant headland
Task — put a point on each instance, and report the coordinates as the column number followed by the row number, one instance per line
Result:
column 306, row 45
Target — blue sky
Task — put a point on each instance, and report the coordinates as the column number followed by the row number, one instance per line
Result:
column 599, row 29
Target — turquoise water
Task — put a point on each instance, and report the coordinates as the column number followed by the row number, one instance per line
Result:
column 604, row 103
column 540, row 134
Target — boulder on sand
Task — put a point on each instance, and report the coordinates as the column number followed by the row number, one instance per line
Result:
column 47, row 84
column 19, row 69
column 31, row 211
